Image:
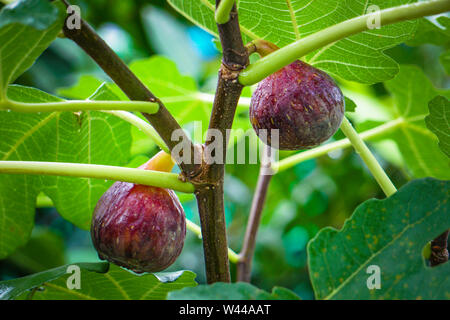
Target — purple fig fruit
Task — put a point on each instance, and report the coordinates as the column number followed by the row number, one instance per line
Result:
column 141, row 228
column 302, row 102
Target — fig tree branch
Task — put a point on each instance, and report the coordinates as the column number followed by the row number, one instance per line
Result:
column 288, row 54
column 209, row 191
column 235, row 55
column 146, row 177
column 212, row 220
column 244, row 264
column 163, row 122
column 439, row 251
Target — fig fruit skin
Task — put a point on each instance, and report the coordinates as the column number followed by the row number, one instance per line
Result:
column 304, row 103
column 141, row 228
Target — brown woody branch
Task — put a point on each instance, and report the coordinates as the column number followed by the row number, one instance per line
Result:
column 439, row 251
column 211, row 208
column 210, row 192
column 163, row 122
column 235, row 56
column 244, row 265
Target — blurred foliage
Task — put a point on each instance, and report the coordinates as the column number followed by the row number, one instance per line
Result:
column 301, row 201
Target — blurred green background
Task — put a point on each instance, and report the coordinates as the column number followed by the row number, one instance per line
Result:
column 301, row 201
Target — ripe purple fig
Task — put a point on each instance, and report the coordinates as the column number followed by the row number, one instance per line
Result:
column 304, row 103
column 140, row 227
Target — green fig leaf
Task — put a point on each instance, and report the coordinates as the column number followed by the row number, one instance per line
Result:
column 11, row 289
column 388, row 235
column 34, row 24
column 438, row 122
column 115, row 284
column 44, row 251
column 430, row 32
column 412, row 91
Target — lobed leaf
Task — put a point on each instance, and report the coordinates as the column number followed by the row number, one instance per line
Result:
column 389, row 234
column 438, row 122
column 27, row 27
column 437, row 33
column 350, row 105
column 412, row 91
column 43, row 243
column 445, row 60
column 116, row 284
column 11, row 289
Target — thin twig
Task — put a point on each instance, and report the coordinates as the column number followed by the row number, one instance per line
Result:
column 439, row 251
column 244, row 265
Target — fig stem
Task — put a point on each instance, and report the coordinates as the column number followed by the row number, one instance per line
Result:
column 145, row 177
column 293, row 160
column 244, row 265
column 288, row 54
column 223, row 11
column 262, row 47
column 79, row 105
column 369, row 159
